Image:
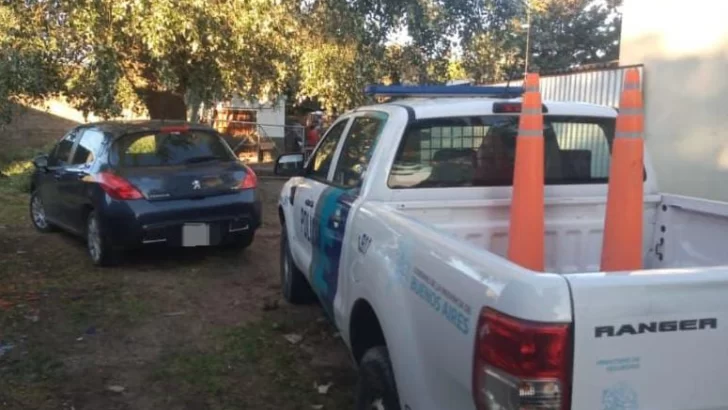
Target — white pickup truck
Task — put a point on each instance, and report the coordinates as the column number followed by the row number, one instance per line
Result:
column 398, row 223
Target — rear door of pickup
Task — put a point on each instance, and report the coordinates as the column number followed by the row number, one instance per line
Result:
column 653, row 340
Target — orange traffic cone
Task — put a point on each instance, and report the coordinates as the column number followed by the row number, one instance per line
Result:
column 622, row 246
column 526, row 234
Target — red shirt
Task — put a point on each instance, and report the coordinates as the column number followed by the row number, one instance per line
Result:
column 312, row 137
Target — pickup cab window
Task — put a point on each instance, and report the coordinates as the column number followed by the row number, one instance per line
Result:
column 357, row 150
column 480, row 151
column 320, row 161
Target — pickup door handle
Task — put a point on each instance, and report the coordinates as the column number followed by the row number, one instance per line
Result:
column 308, row 203
column 57, row 175
column 336, row 219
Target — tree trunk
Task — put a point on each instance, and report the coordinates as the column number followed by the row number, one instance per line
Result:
column 193, row 103
column 165, row 105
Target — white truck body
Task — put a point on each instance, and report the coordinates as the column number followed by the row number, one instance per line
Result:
column 427, row 261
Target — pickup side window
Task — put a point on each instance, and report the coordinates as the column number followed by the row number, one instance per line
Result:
column 357, row 150
column 320, row 161
column 480, row 151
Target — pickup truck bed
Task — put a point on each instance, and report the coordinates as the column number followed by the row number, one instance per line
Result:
column 678, row 231
column 629, row 327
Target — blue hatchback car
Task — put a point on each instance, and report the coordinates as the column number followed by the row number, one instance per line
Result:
column 123, row 185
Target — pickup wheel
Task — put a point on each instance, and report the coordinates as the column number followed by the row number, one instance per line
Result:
column 296, row 289
column 376, row 388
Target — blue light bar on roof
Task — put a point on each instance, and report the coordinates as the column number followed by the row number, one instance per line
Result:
column 442, row 91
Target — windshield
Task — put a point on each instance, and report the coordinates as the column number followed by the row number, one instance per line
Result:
column 480, row 151
column 169, row 149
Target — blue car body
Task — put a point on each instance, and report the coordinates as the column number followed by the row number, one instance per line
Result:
column 145, row 182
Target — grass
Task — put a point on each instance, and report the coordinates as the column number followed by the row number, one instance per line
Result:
column 17, row 166
column 29, row 380
column 111, row 307
column 260, row 356
column 51, row 297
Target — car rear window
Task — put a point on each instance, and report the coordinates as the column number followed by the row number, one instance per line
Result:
column 480, row 151
column 159, row 148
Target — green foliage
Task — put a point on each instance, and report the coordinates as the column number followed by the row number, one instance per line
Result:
column 28, row 67
column 169, row 56
column 563, row 34
column 574, row 32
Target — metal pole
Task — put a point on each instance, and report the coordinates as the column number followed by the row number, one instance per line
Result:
column 528, row 34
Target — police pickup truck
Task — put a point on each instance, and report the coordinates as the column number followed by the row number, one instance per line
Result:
column 398, row 224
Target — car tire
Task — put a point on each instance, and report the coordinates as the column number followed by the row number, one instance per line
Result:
column 295, row 287
column 376, row 388
column 240, row 241
column 38, row 214
column 98, row 244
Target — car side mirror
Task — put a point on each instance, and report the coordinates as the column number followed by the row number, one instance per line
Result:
column 289, row 165
column 41, row 162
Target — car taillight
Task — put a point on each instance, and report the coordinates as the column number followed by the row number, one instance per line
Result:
column 117, row 187
column 250, row 180
column 521, row 365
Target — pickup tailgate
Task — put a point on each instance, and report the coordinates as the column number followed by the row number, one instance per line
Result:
column 651, row 340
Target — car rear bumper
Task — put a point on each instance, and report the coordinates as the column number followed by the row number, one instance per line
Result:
column 142, row 222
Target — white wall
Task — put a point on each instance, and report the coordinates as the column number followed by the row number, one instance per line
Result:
column 684, row 49
column 271, row 115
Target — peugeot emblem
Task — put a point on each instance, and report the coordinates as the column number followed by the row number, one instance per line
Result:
column 196, row 184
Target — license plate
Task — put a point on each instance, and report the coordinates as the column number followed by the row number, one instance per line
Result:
column 195, row 234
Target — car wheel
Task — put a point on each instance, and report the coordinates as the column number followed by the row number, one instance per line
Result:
column 376, row 389
column 296, row 288
column 97, row 243
column 38, row 214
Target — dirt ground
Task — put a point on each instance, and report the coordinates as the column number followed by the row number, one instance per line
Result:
column 177, row 329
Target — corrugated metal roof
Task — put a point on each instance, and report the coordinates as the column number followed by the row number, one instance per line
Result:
column 588, row 84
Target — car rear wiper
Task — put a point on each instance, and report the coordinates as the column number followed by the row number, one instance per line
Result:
column 207, row 158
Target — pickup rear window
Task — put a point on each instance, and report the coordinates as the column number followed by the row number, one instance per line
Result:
column 480, row 151
column 157, row 148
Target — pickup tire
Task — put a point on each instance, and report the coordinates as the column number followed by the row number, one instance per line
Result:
column 295, row 287
column 376, row 388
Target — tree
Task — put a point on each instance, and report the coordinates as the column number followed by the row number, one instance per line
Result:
column 344, row 50
column 169, row 56
column 165, row 55
column 568, row 33
column 563, row 33
column 29, row 69
column 455, row 69
column 487, row 59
